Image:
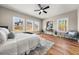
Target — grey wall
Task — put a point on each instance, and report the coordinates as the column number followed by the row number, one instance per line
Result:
column 6, row 16
column 78, row 20
column 72, row 20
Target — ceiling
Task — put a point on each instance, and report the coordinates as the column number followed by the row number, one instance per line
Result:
column 55, row 9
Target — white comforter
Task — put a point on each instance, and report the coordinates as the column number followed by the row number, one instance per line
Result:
column 23, row 42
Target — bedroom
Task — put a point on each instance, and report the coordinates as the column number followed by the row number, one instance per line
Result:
column 50, row 27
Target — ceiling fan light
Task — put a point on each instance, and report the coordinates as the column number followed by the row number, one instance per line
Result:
column 41, row 10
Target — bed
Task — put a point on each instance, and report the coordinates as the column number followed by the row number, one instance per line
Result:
column 22, row 43
column 27, row 42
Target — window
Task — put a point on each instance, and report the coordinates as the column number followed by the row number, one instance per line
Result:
column 18, row 24
column 63, row 24
column 29, row 26
column 35, row 26
column 22, row 25
column 32, row 26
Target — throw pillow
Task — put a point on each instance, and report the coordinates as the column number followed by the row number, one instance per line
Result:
column 3, row 37
column 5, row 30
column 11, row 35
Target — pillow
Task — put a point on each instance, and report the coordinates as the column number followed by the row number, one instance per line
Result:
column 5, row 30
column 3, row 37
column 72, row 33
column 11, row 35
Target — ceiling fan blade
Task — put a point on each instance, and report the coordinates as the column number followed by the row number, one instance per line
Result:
column 40, row 6
column 39, row 13
column 46, row 7
column 44, row 11
column 36, row 10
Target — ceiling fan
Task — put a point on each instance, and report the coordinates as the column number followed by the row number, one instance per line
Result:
column 42, row 9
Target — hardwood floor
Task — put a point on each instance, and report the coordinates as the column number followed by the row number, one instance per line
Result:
column 62, row 46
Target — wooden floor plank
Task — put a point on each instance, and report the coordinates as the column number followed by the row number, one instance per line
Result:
column 62, row 46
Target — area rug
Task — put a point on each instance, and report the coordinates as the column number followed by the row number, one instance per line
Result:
column 43, row 49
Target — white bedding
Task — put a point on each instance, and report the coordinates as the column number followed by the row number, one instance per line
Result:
column 22, row 42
